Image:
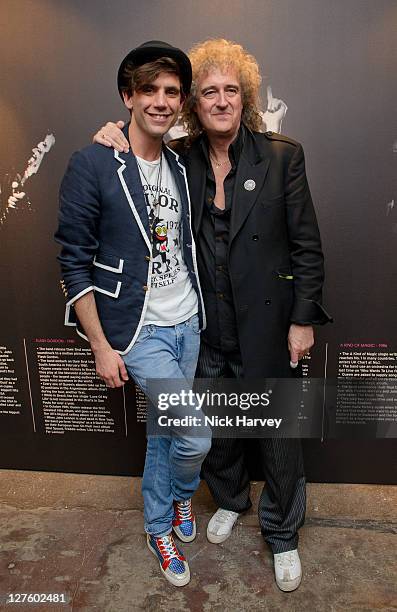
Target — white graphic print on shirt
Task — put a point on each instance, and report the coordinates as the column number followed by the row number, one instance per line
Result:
column 172, row 298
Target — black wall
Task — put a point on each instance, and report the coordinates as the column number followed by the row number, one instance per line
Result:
column 333, row 63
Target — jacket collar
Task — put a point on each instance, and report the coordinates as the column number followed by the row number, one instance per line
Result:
column 234, row 149
column 131, row 181
column 252, row 165
column 197, row 173
column 250, row 177
column 178, row 170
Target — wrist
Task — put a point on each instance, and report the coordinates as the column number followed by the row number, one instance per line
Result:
column 301, row 325
column 99, row 346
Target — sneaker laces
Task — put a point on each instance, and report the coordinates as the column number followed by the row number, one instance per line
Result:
column 223, row 516
column 184, row 510
column 167, row 548
column 286, row 560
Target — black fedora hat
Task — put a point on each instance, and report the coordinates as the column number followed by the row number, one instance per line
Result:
column 152, row 50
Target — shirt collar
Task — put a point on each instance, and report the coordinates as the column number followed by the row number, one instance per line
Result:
column 235, row 147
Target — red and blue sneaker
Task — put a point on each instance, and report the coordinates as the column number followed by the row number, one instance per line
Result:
column 184, row 522
column 172, row 563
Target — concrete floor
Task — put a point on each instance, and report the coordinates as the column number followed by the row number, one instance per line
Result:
column 83, row 536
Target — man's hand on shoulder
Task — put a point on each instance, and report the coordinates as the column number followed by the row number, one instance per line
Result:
column 110, row 135
column 300, row 341
column 110, row 367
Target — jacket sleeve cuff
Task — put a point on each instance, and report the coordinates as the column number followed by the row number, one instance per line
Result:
column 77, row 293
column 309, row 312
column 70, row 315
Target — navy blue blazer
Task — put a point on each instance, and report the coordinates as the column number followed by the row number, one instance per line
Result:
column 104, row 233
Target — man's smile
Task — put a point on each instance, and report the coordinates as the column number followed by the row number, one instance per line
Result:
column 221, row 115
column 159, row 116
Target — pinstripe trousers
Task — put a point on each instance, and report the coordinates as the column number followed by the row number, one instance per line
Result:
column 282, row 503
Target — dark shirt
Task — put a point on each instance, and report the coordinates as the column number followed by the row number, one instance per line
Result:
column 212, row 252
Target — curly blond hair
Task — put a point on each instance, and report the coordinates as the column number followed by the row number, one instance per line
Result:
column 224, row 54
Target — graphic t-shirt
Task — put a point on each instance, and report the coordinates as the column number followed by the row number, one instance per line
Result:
column 172, row 298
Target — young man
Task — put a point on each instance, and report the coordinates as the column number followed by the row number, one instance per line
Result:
column 261, row 269
column 129, row 270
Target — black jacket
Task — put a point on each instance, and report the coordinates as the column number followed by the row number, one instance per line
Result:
column 275, row 257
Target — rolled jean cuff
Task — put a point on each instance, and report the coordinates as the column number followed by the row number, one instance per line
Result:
column 158, row 531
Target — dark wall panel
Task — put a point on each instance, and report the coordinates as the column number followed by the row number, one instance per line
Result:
column 333, row 64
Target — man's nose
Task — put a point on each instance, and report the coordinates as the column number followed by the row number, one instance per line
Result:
column 222, row 100
column 160, row 100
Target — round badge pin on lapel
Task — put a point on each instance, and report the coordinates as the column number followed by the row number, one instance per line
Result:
column 249, row 185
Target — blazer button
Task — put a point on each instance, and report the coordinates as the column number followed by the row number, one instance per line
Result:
column 147, row 258
column 255, row 237
column 145, row 287
column 268, row 302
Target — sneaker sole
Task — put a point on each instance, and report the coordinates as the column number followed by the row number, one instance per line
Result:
column 289, row 586
column 174, row 581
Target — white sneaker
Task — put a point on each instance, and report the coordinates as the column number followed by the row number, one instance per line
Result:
column 288, row 570
column 220, row 525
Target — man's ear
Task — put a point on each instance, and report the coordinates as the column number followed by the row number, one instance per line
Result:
column 128, row 100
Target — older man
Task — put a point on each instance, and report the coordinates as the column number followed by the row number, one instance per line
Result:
column 261, row 269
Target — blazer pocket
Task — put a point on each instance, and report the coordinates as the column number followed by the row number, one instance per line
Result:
column 108, row 286
column 112, row 263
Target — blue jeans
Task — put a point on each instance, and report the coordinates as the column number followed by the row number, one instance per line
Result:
column 173, row 463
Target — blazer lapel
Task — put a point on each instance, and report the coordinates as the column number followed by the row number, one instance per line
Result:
column 130, row 179
column 197, row 175
column 250, row 177
column 179, row 173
